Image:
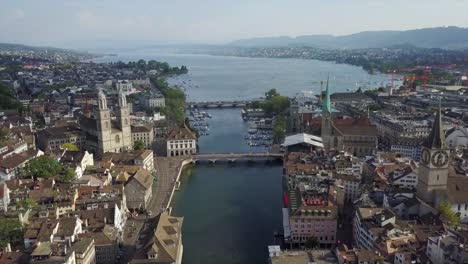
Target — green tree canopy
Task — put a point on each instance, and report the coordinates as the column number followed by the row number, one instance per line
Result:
column 69, row 146
column 139, row 145
column 449, row 214
column 175, row 100
column 68, row 175
column 42, row 167
column 279, row 128
column 7, row 100
column 26, row 203
column 11, row 232
column 271, row 93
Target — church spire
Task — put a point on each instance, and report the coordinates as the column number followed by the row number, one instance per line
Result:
column 436, row 139
column 102, row 100
column 122, row 98
column 326, row 106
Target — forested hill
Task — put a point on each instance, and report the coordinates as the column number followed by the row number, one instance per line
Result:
column 440, row 37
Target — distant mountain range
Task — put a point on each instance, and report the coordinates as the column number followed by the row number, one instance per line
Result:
column 440, row 37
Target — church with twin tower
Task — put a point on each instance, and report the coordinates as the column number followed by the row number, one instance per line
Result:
column 103, row 133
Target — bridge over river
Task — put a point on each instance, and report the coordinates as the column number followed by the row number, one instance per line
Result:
column 219, row 104
column 234, row 157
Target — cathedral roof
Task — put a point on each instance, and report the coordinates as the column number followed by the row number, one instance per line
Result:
column 359, row 127
column 436, row 138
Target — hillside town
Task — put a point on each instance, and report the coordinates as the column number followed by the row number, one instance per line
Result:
column 91, row 154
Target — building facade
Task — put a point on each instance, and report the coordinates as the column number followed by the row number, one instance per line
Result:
column 181, row 142
column 143, row 133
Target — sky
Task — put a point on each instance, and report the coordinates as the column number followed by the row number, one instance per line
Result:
column 77, row 23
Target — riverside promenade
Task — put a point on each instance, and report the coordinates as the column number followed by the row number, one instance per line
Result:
column 168, row 171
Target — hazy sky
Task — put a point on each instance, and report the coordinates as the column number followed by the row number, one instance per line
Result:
column 71, row 22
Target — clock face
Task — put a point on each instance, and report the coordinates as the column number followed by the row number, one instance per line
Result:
column 426, row 157
column 440, row 158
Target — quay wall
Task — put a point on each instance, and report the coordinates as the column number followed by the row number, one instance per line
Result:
column 179, row 173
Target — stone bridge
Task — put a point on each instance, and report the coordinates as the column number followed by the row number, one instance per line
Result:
column 219, row 104
column 234, row 157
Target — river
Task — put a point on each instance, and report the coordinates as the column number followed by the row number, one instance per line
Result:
column 232, row 212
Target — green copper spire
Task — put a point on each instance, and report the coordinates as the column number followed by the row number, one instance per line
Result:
column 326, row 107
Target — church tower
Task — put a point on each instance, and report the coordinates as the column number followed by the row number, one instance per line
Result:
column 433, row 169
column 327, row 122
column 103, row 122
column 123, row 121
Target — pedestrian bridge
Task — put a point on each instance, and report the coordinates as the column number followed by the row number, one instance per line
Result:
column 234, row 157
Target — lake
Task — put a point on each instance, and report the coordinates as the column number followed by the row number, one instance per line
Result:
column 213, row 78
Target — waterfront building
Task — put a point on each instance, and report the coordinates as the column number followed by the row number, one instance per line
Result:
column 310, row 198
column 300, row 256
column 102, row 133
column 143, row 133
column 301, row 142
column 181, row 142
column 105, row 244
column 165, row 244
column 138, row 189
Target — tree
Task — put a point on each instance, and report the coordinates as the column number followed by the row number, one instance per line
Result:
column 7, row 100
column 11, row 232
column 271, row 93
column 312, row 243
column 26, row 203
column 42, row 167
column 69, row 146
column 4, row 135
column 68, row 175
column 139, row 144
column 279, row 128
column 449, row 214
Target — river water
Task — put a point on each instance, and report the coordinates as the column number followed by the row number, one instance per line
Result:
column 232, row 212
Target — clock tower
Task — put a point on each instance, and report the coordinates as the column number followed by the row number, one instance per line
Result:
column 433, row 168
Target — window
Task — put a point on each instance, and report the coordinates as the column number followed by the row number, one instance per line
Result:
column 117, row 139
